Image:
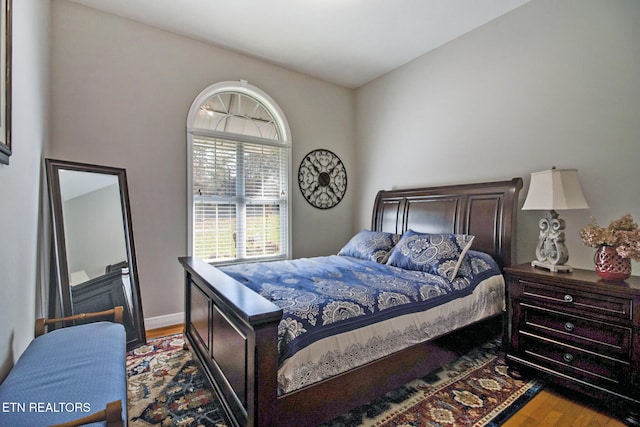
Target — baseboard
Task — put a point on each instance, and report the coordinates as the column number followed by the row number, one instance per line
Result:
column 163, row 321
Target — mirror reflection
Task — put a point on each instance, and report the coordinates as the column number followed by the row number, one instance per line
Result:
column 94, row 256
column 92, row 212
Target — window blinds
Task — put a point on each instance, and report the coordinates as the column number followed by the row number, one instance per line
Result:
column 239, row 199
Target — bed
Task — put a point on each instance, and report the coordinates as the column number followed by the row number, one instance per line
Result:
column 233, row 330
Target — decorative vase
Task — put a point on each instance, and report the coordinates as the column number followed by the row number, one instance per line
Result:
column 610, row 265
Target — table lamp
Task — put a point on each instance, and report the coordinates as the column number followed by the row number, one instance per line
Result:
column 551, row 190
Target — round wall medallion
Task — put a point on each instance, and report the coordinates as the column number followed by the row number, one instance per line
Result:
column 322, row 178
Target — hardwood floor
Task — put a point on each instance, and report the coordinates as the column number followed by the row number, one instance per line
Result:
column 163, row 332
column 548, row 408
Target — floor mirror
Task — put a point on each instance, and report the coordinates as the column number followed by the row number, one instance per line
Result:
column 93, row 256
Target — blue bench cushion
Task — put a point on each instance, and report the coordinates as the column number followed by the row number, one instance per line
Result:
column 66, row 374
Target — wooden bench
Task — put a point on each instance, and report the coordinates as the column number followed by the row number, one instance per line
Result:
column 71, row 376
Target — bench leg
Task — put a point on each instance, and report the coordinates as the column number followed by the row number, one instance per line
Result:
column 112, row 415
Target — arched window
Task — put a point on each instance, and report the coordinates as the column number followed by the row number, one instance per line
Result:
column 239, row 162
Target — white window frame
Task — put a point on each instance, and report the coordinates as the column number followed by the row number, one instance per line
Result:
column 245, row 88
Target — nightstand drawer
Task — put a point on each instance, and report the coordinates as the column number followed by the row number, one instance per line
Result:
column 578, row 330
column 585, row 302
column 576, row 363
column 587, row 333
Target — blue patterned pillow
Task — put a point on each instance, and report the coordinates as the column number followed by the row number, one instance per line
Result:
column 439, row 254
column 475, row 262
column 370, row 245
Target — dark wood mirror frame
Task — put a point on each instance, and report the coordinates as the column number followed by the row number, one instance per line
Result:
column 6, row 12
column 60, row 292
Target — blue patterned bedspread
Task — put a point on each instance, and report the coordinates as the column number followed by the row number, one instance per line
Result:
column 329, row 295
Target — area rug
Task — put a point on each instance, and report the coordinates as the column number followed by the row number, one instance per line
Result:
column 166, row 388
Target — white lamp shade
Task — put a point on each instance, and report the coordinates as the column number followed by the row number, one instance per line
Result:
column 555, row 189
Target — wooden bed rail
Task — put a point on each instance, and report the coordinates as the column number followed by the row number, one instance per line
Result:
column 112, row 415
column 42, row 323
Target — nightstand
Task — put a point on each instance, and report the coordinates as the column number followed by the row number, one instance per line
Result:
column 578, row 331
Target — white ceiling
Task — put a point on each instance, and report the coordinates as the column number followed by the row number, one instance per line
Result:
column 347, row 42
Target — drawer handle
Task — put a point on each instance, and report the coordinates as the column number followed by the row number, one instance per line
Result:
column 568, row 357
column 569, row 326
column 568, row 298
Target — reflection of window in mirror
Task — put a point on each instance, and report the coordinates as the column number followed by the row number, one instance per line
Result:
column 93, row 223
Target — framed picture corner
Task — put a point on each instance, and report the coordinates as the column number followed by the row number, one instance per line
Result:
column 5, row 80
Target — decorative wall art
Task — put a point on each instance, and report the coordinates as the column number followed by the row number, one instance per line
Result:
column 5, row 81
column 322, row 178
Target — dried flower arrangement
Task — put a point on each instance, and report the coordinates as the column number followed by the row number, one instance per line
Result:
column 623, row 234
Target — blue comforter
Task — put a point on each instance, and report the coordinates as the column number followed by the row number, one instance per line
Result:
column 324, row 296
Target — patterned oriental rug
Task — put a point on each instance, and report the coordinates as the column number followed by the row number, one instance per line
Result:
column 166, row 388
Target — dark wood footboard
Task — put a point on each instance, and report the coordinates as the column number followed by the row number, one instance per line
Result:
column 234, row 334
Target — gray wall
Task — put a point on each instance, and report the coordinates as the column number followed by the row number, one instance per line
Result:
column 552, row 83
column 20, row 208
column 121, row 92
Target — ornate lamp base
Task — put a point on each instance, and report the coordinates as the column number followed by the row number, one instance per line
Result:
column 553, row 268
column 551, row 252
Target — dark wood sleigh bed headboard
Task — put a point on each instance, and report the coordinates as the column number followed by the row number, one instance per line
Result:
column 485, row 210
